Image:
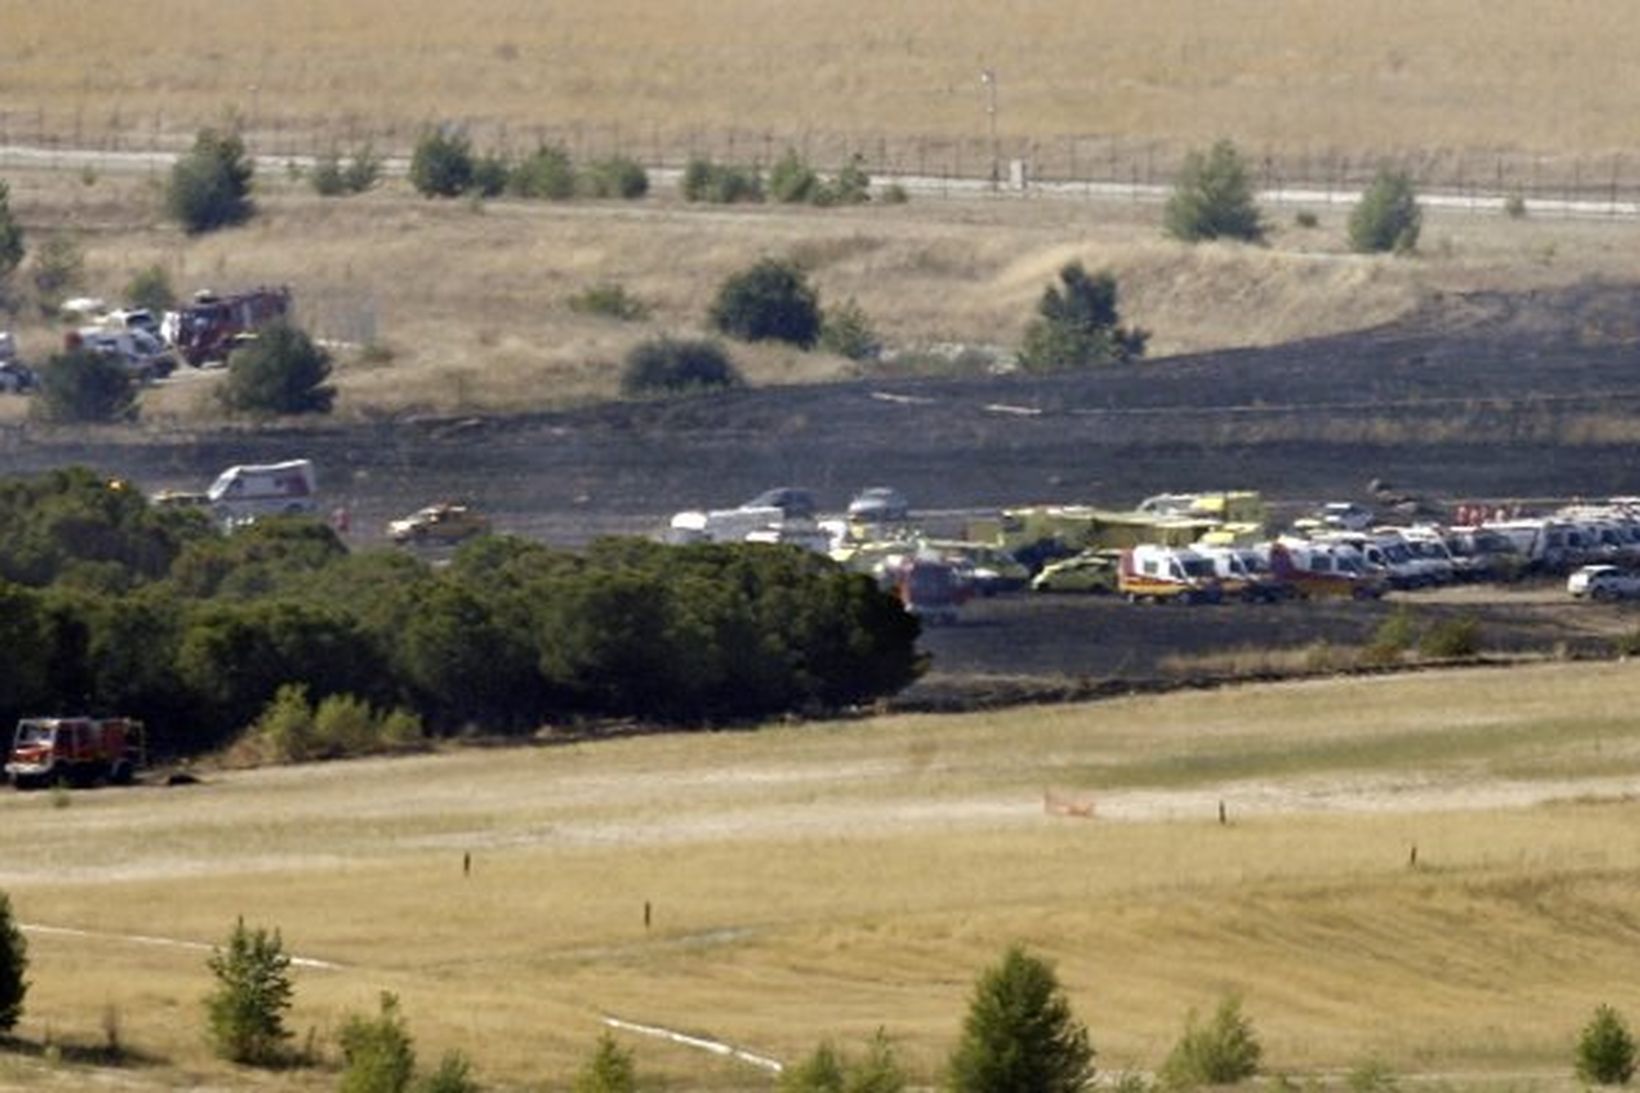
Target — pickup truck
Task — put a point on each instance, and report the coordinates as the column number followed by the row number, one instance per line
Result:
column 1604, row 583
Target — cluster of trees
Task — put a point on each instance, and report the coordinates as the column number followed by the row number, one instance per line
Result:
column 444, row 165
column 108, row 604
column 1213, row 198
column 791, row 180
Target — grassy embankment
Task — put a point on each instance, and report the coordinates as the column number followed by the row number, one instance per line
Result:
column 823, row 880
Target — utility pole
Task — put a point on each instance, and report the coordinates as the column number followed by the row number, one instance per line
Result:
column 988, row 78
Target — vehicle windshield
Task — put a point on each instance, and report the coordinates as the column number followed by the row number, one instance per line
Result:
column 35, row 732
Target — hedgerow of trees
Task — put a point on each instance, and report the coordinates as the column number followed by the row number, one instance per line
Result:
column 1213, row 198
column 1077, row 325
column 210, row 187
column 443, row 164
column 108, row 603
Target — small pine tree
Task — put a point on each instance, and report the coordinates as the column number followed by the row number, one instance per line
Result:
column 246, row 1010
column 11, row 236
column 1213, row 198
column 1388, row 217
column 771, row 301
column 1077, row 325
column 57, row 271
column 821, row 1072
column 442, row 164
column 210, row 186
column 1020, row 1035
column 847, row 331
column 281, row 372
column 151, row 288
column 454, row 1074
column 610, row 1069
column 879, row 1071
column 13, row 967
column 793, row 181
column 546, row 173
column 378, row 1055
column 82, row 386
column 1222, row 1052
column 1605, row 1050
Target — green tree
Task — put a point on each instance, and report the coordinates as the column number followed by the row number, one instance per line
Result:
column 1213, row 198
column 828, row 1070
column 546, row 173
column 454, row 1074
column 150, row 287
column 442, row 164
column 1605, row 1049
column 58, row 271
column 617, row 176
column 793, row 181
column 704, row 180
column 378, row 1055
column 821, row 1072
column 1223, row 1051
column 671, row 365
column 11, row 237
column 490, row 174
column 610, row 1069
column 83, row 386
column 771, row 301
column 281, row 372
column 13, row 967
column 246, row 1011
column 1077, row 325
column 1388, row 216
column 1020, row 1035
column 210, row 187
column 847, row 331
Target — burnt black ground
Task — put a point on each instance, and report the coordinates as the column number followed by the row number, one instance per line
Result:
column 1462, row 391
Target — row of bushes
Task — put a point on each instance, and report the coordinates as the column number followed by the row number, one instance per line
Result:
column 444, row 165
column 153, row 614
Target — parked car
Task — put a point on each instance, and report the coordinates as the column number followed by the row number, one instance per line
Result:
column 142, row 354
column 792, row 501
column 1344, row 515
column 1090, row 571
column 17, row 378
column 1604, row 583
column 445, row 522
column 879, row 505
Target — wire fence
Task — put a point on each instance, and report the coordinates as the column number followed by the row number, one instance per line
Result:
column 1108, row 165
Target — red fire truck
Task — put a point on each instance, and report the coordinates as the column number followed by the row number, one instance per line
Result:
column 207, row 329
column 76, row 751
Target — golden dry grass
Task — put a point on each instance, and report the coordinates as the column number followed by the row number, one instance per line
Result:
column 1294, row 74
column 823, row 880
column 474, row 302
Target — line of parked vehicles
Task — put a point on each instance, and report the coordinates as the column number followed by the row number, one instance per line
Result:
column 1189, row 548
column 149, row 346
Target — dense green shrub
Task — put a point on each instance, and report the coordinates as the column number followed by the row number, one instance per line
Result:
column 771, row 301
column 545, row 173
column 847, row 331
column 895, row 194
column 442, row 163
column 1020, row 1035
column 1213, row 198
column 331, row 177
column 673, row 365
column 245, row 1012
column 150, row 287
column 58, row 271
column 1306, row 219
column 1388, row 217
column 852, row 186
column 378, row 1055
column 491, row 175
column 617, row 176
column 792, row 180
column 828, row 1070
column 210, row 187
column 1605, row 1049
column 704, row 180
column 454, row 1074
column 82, row 386
column 11, row 237
column 609, row 1069
column 1223, row 1051
column 13, row 967
column 1077, row 325
column 281, row 372
column 1452, row 639
column 609, row 299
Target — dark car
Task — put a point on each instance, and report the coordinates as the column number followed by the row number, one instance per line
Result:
column 792, row 501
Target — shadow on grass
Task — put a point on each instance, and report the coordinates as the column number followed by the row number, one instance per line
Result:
column 77, row 1054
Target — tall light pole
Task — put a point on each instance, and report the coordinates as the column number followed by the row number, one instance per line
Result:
column 988, row 77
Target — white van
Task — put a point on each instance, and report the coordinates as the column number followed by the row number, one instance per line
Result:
column 242, row 493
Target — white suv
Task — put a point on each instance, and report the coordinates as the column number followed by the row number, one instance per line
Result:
column 1603, row 582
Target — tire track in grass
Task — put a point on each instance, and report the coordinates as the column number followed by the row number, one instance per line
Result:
column 164, row 942
column 716, row 1047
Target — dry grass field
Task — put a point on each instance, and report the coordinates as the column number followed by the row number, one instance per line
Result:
column 1286, row 76
column 823, row 880
column 473, row 301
